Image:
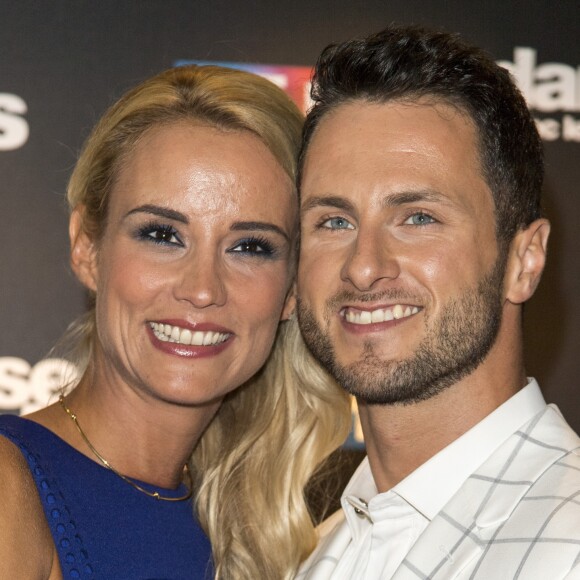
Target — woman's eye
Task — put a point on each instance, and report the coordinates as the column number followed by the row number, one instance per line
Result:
column 160, row 234
column 254, row 246
column 419, row 219
column 337, row 223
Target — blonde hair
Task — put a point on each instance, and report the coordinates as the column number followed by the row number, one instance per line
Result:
column 270, row 435
column 257, row 456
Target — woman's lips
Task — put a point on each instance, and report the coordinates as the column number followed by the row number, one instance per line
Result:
column 186, row 337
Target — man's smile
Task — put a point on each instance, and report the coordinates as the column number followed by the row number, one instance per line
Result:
column 384, row 314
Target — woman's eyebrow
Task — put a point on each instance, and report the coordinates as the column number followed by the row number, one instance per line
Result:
column 258, row 227
column 180, row 217
column 159, row 211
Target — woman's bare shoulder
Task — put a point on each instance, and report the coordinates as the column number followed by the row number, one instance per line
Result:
column 26, row 546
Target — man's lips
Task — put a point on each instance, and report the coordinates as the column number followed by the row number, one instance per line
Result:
column 377, row 315
column 188, row 337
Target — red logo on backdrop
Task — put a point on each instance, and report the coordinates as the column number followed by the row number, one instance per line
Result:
column 295, row 80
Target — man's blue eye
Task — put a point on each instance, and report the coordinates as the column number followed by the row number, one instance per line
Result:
column 337, row 223
column 420, row 219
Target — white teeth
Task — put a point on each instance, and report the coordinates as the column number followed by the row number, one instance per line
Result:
column 185, row 336
column 380, row 315
column 377, row 316
column 365, row 317
column 168, row 333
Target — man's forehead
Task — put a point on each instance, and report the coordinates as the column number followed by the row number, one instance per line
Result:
column 368, row 133
column 353, row 108
column 406, row 152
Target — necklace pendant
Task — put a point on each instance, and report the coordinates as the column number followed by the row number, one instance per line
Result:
column 154, row 494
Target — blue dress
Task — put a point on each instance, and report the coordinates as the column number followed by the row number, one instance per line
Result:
column 103, row 528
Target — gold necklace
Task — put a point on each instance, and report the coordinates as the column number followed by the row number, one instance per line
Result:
column 154, row 494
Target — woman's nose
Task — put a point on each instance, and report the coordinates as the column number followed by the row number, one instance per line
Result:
column 201, row 281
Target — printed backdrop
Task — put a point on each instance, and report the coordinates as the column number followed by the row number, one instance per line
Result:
column 63, row 62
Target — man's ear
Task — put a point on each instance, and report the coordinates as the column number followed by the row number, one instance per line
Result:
column 526, row 261
column 83, row 253
column 290, row 303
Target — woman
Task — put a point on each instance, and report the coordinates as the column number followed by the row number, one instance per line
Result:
column 184, row 229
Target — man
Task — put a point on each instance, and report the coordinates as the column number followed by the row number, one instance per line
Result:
column 422, row 238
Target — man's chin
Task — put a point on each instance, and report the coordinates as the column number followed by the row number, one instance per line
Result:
column 363, row 377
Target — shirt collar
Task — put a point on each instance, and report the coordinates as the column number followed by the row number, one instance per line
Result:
column 435, row 482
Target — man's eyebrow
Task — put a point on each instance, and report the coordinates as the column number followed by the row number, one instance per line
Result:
column 159, row 211
column 333, row 201
column 252, row 226
column 406, row 197
column 391, row 200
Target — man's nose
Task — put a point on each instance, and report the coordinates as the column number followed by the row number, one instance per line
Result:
column 371, row 259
